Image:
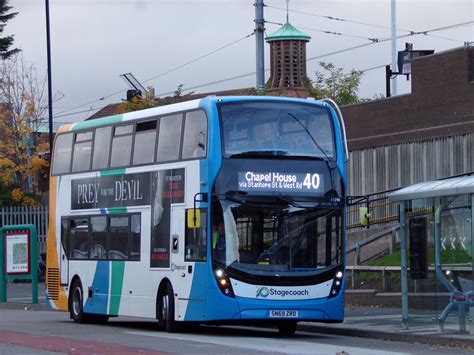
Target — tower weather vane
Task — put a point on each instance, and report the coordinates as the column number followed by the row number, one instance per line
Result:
column 287, row 10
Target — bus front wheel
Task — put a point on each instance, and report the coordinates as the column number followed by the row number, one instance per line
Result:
column 167, row 310
column 76, row 309
column 76, row 303
column 287, row 328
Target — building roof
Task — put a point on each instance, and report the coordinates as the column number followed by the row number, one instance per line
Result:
column 114, row 109
column 44, row 127
column 454, row 186
column 109, row 110
column 288, row 32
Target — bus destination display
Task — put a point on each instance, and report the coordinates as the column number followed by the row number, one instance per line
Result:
column 274, row 181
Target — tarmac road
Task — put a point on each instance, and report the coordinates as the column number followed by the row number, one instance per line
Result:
column 42, row 332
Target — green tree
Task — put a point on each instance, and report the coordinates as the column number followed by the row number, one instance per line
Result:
column 6, row 42
column 334, row 84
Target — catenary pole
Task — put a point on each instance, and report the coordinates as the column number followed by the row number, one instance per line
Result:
column 394, row 44
column 50, row 89
column 259, row 32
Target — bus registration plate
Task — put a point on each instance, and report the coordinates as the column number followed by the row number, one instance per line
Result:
column 283, row 313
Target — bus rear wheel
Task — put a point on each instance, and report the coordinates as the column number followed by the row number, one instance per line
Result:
column 287, row 328
column 167, row 310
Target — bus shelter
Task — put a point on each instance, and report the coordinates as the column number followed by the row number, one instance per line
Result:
column 437, row 248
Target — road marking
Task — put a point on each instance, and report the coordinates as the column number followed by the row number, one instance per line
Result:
column 383, row 316
column 287, row 346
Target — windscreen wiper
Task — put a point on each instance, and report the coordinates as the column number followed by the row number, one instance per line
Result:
column 289, row 200
column 259, row 153
column 311, row 137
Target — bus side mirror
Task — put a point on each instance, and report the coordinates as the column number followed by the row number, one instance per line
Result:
column 364, row 216
column 194, row 218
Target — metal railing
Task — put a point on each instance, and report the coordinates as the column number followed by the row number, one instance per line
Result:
column 392, row 231
column 386, row 272
column 38, row 216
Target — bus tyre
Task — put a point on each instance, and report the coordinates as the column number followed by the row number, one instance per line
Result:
column 287, row 328
column 76, row 309
column 167, row 310
column 76, row 303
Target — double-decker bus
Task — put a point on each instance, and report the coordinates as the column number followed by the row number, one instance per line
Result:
column 221, row 210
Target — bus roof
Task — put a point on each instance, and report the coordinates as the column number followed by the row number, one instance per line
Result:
column 167, row 109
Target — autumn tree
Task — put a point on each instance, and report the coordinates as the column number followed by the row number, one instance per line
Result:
column 139, row 102
column 6, row 42
column 22, row 108
column 331, row 82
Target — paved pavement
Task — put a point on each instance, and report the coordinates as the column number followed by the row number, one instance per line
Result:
column 366, row 322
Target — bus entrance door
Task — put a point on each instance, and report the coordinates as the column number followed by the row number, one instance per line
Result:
column 177, row 236
column 64, row 267
column 63, row 258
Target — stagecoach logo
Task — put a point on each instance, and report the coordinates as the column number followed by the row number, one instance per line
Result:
column 263, row 292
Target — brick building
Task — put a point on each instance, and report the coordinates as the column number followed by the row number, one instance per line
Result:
column 421, row 136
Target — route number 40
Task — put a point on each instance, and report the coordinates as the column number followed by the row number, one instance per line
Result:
column 312, row 181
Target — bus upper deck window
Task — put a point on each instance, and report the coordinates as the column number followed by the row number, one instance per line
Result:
column 62, row 154
column 195, row 135
column 169, row 141
column 121, row 146
column 82, row 152
column 100, row 159
column 145, row 139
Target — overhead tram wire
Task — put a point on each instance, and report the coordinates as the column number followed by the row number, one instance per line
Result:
column 335, row 18
column 199, row 58
column 412, row 33
column 445, row 38
column 327, row 32
column 162, row 74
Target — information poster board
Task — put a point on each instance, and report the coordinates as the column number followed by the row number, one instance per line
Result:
column 17, row 247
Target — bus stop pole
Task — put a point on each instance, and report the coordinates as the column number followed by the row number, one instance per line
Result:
column 471, row 309
column 3, row 279
column 404, row 270
column 34, row 264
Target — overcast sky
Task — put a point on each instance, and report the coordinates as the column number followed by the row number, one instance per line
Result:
column 94, row 41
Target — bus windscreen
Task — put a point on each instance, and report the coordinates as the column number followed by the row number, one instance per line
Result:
column 276, row 128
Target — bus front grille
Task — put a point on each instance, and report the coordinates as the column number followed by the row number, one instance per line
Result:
column 52, row 283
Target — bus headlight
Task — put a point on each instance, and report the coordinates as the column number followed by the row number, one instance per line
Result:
column 336, row 284
column 223, row 282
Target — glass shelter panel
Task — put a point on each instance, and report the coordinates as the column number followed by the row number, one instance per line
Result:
column 440, row 259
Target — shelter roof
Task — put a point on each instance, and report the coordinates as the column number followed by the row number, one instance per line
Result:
column 453, row 186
